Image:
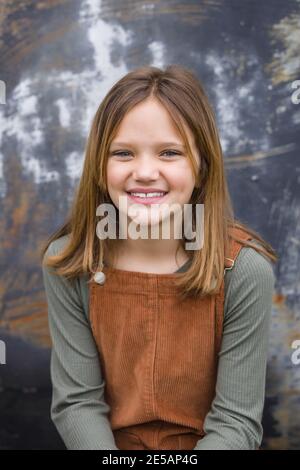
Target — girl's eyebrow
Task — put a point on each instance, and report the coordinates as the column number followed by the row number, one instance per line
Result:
column 159, row 144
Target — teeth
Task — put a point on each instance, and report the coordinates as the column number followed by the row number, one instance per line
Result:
column 147, row 195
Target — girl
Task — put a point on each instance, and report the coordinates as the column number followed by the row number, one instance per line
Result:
column 157, row 346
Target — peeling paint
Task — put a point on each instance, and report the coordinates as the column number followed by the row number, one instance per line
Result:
column 285, row 37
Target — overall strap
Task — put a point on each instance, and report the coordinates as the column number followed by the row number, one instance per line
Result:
column 235, row 247
column 229, row 262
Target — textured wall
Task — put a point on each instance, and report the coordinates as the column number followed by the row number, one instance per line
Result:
column 58, row 59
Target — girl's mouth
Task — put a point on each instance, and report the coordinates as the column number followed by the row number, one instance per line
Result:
column 142, row 198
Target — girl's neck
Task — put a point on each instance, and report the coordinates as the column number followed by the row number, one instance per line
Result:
column 131, row 257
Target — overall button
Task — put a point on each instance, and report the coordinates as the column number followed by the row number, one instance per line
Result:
column 99, row 277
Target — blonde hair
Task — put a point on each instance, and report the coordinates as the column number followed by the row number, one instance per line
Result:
column 182, row 94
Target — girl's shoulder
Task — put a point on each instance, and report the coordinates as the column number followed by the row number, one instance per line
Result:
column 251, row 276
column 251, row 263
column 56, row 246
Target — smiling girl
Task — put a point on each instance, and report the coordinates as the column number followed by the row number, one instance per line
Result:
column 156, row 346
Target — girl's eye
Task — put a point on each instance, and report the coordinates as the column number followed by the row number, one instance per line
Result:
column 120, row 153
column 171, row 151
column 166, row 151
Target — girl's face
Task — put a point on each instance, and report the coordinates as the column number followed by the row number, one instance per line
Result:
column 148, row 153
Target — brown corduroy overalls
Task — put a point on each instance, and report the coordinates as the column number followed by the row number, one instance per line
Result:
column 158, row 356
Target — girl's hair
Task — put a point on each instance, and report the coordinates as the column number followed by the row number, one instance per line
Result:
column 182, row 94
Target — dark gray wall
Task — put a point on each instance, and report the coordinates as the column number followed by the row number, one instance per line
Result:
column 58, row 59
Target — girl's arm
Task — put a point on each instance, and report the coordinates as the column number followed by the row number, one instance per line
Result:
column 234, row 420
column 78, row 408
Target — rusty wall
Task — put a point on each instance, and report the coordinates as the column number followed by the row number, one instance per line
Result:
column 57, row 61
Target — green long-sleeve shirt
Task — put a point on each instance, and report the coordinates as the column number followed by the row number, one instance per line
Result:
column 78, row 408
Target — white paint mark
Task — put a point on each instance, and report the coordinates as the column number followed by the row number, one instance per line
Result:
column 102, row 36
column 148, row 6
column 230, row 102
column 25, row 124
column 158, row 52
column 27, row 104
column 64, row 113
column 280, row 109
column 22, row 122
column 74, row 163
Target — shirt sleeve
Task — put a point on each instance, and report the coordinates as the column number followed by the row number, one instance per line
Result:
column 78, row 409
column 234, row 420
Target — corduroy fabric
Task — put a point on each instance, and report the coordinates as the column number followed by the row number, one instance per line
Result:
column 158, row 354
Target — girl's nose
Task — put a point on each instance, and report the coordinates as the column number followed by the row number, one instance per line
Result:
column 146, row 169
